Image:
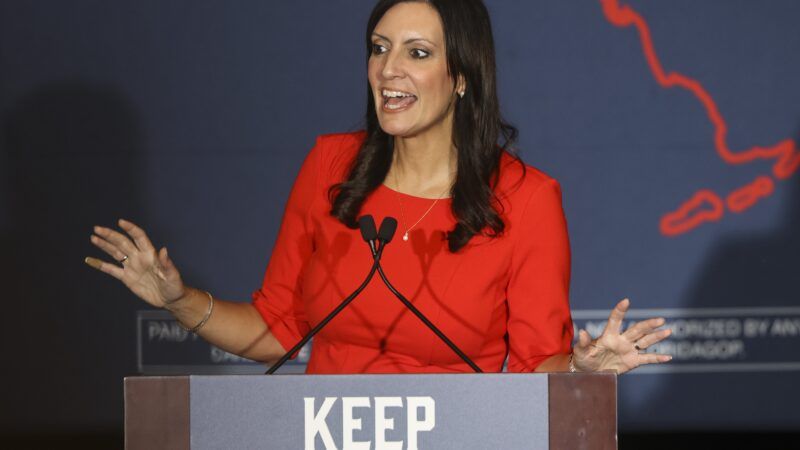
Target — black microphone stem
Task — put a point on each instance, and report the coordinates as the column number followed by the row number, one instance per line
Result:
column 424, row 319
column 337, row 310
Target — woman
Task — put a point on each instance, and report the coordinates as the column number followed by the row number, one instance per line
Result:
column 483, row 250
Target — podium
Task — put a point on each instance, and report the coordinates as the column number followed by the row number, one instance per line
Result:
column 556, row 411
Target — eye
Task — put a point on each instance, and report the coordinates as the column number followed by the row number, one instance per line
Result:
column 378, row 49
column 419, row 53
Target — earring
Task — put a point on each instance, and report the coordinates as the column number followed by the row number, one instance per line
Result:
column 461, row 94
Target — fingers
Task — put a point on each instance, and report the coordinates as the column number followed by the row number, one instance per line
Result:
column 653, row 338
column 107, row 247
column 166, row 262
column 164, row 259
column 117, row 239
column 585, row 347
column 111, row 269
column 614, row 325
column 584, row 339
column 653, row 358
column 639, row 329
column 138, row 235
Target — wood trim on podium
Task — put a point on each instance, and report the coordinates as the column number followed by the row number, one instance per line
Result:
column 583, row 411
column 164, row 427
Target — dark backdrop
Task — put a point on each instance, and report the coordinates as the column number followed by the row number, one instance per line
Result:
column 192, row 117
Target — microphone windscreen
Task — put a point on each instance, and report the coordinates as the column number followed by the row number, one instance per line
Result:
column 388, row 227
column 367, row 226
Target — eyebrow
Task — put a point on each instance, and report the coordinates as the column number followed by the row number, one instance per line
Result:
column 407, row 41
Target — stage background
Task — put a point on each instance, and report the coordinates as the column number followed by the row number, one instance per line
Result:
column 192, row 118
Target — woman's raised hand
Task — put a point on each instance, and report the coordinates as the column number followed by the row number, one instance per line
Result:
column 148, row 273
column 620, row 351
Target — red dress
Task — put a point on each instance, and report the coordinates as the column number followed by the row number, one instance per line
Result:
column 494, row 298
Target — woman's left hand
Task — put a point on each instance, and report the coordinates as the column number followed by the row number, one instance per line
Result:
column 616, row 350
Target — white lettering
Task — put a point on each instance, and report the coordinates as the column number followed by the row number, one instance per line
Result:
column 755, row 327
column 221, row 356
column 382, row 423
column 165, row 331
column 349, row 424
column 415, row 425
column 316, row 424
column 785, row 327
column 703, row 350
column 420, row 414
column 705, row 328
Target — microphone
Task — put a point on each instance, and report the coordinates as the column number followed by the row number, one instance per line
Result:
column 382, row 236
column 385, row 234
column 368, row 232
column 366, row 225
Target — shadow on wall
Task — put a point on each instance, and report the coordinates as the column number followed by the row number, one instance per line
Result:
column 73, row 154
column 744, row 270
column 758, row 269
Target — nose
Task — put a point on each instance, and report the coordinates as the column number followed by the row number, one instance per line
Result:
column 392, row 66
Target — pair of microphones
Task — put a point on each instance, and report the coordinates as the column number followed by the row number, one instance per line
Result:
column 377, row 239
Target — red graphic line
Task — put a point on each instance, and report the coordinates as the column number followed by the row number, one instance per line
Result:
column 625, row 16
column 705, row 205
column 747, row 195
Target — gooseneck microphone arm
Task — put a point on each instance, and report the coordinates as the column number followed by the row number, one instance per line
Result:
column 366, row 233
column 428, row 323
column 387, row 230
column 377, row 241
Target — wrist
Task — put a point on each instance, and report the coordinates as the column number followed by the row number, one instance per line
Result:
column 571, row 364
column 174, row 304
column 206, row 316
column 574, row 367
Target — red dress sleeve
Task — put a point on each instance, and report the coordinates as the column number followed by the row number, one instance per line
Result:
column 279, row 300
column 539, row 321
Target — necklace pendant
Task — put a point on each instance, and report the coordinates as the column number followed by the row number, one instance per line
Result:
column 405, row 236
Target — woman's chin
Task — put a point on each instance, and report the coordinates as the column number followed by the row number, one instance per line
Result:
column 395, row 129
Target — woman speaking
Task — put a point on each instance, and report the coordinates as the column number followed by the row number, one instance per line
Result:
column 482, row 247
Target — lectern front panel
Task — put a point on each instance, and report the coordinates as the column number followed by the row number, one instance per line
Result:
column 370, row 411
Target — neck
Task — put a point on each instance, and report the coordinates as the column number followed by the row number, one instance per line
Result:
column 423, row 165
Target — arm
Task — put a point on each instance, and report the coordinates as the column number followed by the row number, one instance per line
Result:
column 235, row 327
column 540, row 327
column 539, row 322
column 260, row 330
column 555, row 363
column 153, row 277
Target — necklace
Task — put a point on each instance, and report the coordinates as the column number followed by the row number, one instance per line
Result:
column 402, row 214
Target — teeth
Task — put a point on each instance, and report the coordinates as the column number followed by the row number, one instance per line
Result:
column 393, row 94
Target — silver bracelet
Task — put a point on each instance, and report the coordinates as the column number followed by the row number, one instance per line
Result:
column 197, row 327
column 571, row 365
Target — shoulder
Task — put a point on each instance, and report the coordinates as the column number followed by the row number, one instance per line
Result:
column 339, row 145
column 519, row 182
column 531, row 203
column 335, row 153
column 341, row 142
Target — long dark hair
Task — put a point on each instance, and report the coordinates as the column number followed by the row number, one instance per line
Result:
column 477, row 127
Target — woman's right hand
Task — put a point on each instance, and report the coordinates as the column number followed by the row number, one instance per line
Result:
column 148, row 273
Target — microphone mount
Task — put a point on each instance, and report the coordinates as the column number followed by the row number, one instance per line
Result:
column 377, row 241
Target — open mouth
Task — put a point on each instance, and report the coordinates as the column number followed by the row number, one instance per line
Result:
column 397, row 100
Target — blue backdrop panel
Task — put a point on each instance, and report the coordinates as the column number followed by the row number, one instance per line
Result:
column 672, row 127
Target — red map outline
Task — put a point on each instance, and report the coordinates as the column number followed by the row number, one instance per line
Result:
column 705, row 205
